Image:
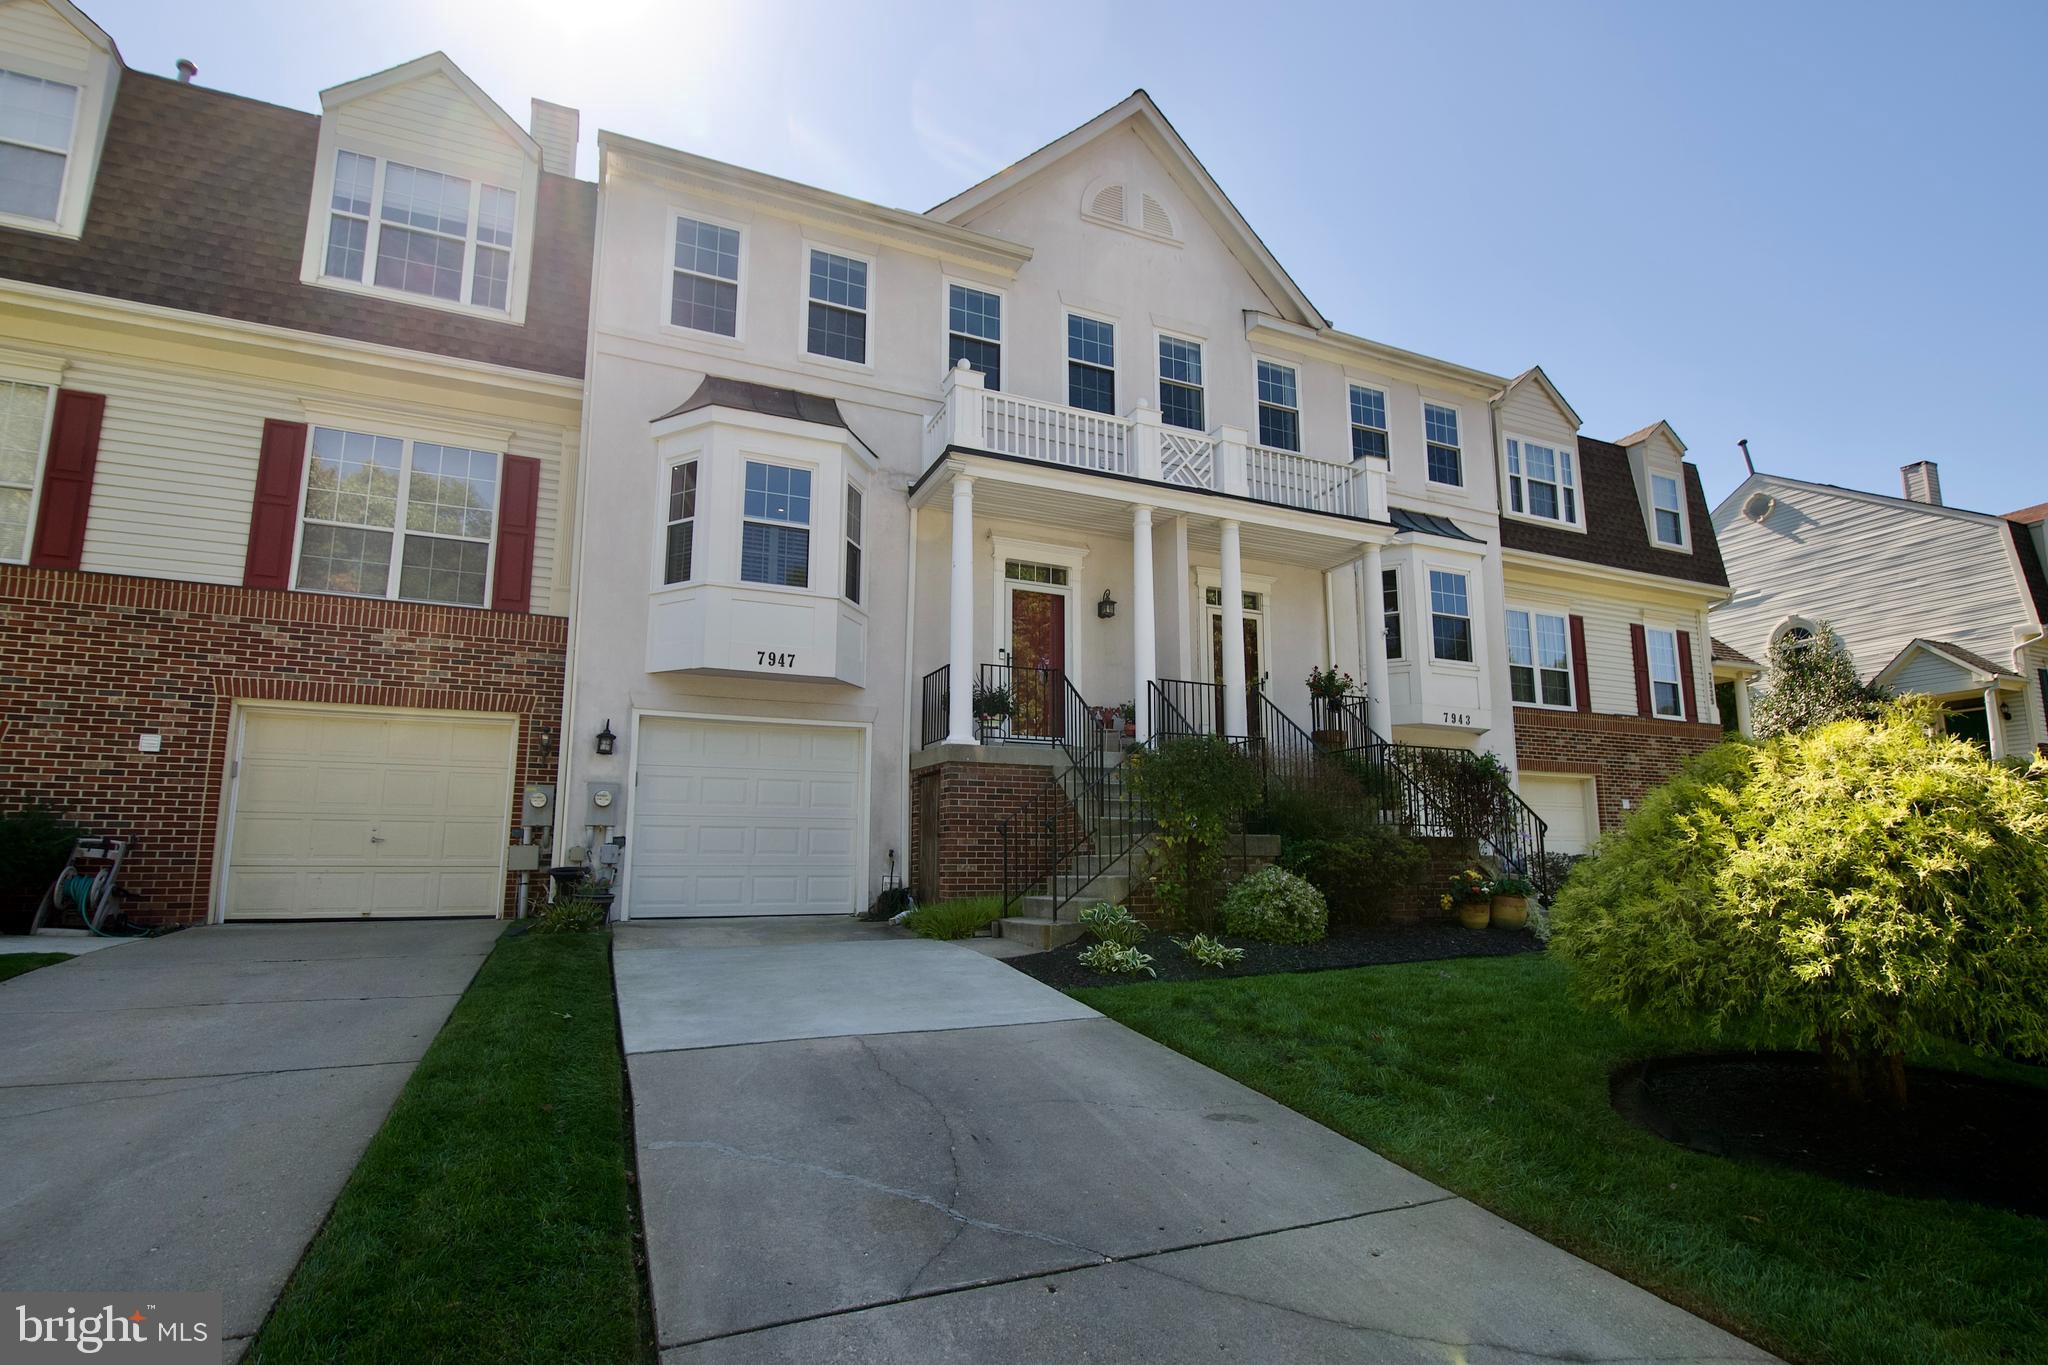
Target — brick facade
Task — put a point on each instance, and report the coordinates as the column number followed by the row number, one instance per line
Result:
column 960, row 805
column 1629, row 756
column 92, row 661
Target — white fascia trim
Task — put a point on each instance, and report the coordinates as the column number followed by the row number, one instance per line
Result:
column 1705, row 592
column 1733, row 502
column 1342, row 347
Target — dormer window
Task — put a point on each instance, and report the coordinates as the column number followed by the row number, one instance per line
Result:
column 1542, row 481
column 421, row 232
column 36, row 119
column 1668, row 504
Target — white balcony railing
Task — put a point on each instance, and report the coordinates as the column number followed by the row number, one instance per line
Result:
column 1140, row 446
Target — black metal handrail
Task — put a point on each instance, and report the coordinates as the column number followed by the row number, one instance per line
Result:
column 1069, row 819
column 937, row 697
column 1046, row 708
column 1167, row 721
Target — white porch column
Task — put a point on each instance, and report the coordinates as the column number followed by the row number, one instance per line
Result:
column 960, row 646
column 1742, row 699
column 1994, row 724
column 1234, row 707
column 1144, row 637
column 1378, row 708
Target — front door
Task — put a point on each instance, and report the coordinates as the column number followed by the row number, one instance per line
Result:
column 1038, row 663
column 1251, row 669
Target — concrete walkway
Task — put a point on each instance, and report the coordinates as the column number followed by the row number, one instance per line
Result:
column 180, row 1114
column 859, row 1147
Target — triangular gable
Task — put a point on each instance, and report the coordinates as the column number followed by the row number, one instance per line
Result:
column 1638, row 437
column 1535, row 375
column 1952, row 664
column 1187, row 170
column 91, row 32
column 434, row 63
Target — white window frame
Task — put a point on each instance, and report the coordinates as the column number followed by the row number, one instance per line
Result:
column 809, row 524
column 397, row 529
column 866, row 364
column 1397, row 611
column 1115, row 367
column 49, row 378
column 1470, row 618
column 853, row 542
column 947, row 284
column 1458, row 416
column 77, row 82
column 1533, row 616
column 1517, row 481
column 1677, row 679
column 1260, row 404
column 1160, row 381
column 1677, row 480
column 1352, row 386
column 1258, row 587
column 666, row 319
column 696, row 520
column 381, row 159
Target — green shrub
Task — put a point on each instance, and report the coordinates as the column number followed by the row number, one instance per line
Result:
column 1866, row 887
column 1210, row 952
column 1113, row 924
column 1275, row 906
column 1358, row 872
column 1116, row 959
column 570, row 915
column 34, row 842
column 1196, row 789
column 1811, row 681
column 961, row 918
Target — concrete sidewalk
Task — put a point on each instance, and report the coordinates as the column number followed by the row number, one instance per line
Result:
column 181, row 1114
column 854, row 1147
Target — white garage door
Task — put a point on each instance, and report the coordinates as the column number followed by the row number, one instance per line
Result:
column 355, row 812
column 1568, row 810
column 744, row 818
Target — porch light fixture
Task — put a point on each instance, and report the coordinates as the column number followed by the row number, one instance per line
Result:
column 1106, row 608
column 606, row 740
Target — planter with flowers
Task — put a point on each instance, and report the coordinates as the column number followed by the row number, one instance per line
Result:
column 1327, row 689
column 1471, row 894
column 1129, row 712
column 1511, row 901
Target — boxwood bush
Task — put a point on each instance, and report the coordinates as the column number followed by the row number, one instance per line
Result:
column 1274, row 905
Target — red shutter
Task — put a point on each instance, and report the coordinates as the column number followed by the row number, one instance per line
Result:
column 1692, row 700
column 1581, row 688
column 518, row 511
column 273, row 520
column 67, row 480
column 1641, row 647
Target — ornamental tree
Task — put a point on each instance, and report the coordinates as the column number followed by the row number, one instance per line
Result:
column 1809, row 680
column 1863, row 888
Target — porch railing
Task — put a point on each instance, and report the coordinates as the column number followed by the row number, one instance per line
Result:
column 1292, row 479
column 1057, row 435
column 936, row 697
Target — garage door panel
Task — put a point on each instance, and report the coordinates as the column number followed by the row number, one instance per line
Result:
column 785, row 792
column 1565, row 804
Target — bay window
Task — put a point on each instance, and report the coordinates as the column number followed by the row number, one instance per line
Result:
column 679, row 560
column 1390, row 609
column 855, row 507
column 1450, row 618
column 775, row 536
column 1539, row 659
column 374, row 501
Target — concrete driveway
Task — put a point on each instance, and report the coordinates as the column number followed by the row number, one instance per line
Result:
column 180, row 1114
column 859, row 1147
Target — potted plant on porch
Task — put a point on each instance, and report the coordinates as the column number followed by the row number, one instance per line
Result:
column 1511, row 901
column 992, row 706
column 1129, row 711
column 1327, row 689
column 1110, row 718
column 1471, row 894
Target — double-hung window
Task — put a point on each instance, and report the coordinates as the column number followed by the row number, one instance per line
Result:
column 1667, row 693
column 1279, row 407
column 838, row 312
column 421, row 232
column 1450, row 616
column 974, row 331
column 1542, row 481
column 1664, row 501
column 1091, row 363
column 855, row 535
column 1539, row 659
column 1446, row 459
column 1180, row 383
column 36, row 119
column 775, row 537
column 704, row 285
column 373, row 501
column 1390, row 609
column 24, row 418
column 679, row 560
column 1368, row 422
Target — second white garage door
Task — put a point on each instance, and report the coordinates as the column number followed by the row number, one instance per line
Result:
column 1568, row 808
column 745, row 818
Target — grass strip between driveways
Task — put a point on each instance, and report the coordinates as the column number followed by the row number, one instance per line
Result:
column 17, row 964
column 1484, row 1076
column 490, row 1219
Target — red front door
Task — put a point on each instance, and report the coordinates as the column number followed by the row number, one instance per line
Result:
column 1038, row 662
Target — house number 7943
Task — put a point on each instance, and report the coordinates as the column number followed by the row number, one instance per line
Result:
column 770, row 658
column 1457, row 718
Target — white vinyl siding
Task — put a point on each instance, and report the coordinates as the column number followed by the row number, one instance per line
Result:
column 36, row 32
column 1609, row 657
column 437, row 124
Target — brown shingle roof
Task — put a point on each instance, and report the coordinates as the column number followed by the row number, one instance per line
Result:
column 1615, row 535
column 2031, row 568
column 200, row 205
column 1725, row 653
column 2027, row 516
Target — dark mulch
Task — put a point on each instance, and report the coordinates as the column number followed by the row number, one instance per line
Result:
column 1345, row 947
column 1960, row 1137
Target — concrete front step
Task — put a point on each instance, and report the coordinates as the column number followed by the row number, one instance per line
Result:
column 1037, row 931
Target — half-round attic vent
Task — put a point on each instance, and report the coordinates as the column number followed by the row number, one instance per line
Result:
column 1108, row 203
column 1758, row 506
column 1155, row 217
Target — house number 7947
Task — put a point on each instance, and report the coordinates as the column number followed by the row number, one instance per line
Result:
column 770, row 658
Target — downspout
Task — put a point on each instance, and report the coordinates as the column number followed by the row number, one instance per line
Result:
column 911, row 695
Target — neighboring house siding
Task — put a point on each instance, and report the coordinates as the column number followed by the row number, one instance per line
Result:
column 35, row 30
column 1931, row 674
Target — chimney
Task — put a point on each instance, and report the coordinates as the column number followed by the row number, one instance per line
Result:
column 1923, row 482
column 555, row 127
column 187, row 69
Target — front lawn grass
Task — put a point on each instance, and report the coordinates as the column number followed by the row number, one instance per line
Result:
column 16, row 964
column 1482, row 1075
column 490, row 1218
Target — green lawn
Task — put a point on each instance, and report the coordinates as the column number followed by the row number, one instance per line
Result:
column 16, row 964
column 1483, row 1076
column 490, row 1218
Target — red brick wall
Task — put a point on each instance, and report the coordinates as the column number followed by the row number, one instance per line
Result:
column 972, row 799
column 88, row 662
column 1629, row 755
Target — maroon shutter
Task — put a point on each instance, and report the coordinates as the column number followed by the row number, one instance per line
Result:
column 1641, row 647
column 1581, row 688
column 273, row 520
column 1692, row 700
column 518, row 511
column 67, row 480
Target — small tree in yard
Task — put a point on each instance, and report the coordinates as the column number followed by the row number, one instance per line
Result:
column 1809, row 680
column 1196, row 789
column 1866, row 887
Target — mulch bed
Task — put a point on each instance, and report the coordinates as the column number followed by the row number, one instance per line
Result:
column 1959, row 1137
column 1343, row 948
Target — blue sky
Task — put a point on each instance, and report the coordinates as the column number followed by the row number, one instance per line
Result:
column 1818, row 227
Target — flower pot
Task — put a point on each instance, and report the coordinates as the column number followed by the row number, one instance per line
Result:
column 1474, row 914
column 1510, row 912
column 1327, row 739
column 1130, row 729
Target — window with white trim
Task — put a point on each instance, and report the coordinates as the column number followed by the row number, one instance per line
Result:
column 421, row 232
column 1445, row 458
column 1450, row 616
column 1368, row 422
column 1539, row 659
column 1669, row 509
column 24, row 422
column 775, row 534
column 1180, row 384
column 1279, row 407
column 1021, row 571
column 373, row 501
column 1091, row 363
column 974, row 332
column 1390, row 609
column 704, row 283
column 36, row 120
column 1542, row 481
column 1667, row 692
column 855, row 509
column 679, row 558
column 838, row 309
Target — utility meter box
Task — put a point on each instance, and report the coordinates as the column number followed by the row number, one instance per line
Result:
column 606, row 802
column 522, row 858
column 537, row 806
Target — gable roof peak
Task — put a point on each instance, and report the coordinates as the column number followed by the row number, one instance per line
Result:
column 1645, row 433
column 1535, row 375
column 433, row 63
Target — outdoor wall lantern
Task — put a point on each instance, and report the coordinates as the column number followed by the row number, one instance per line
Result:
column 1106, row 608
column 606, row 740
